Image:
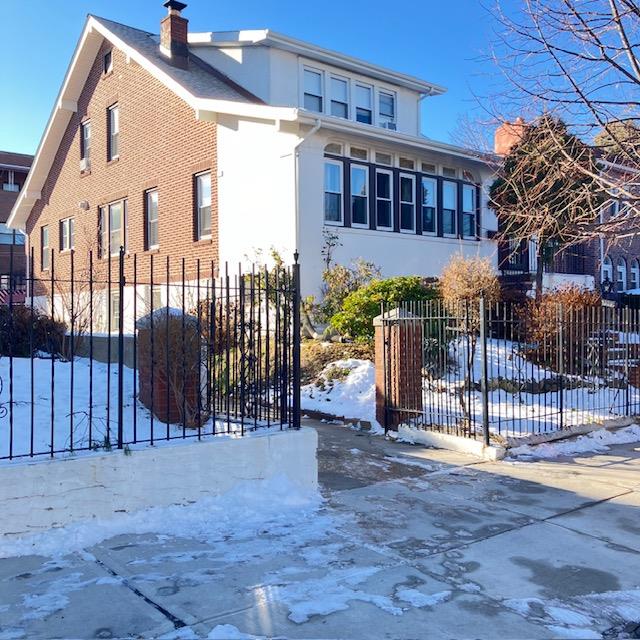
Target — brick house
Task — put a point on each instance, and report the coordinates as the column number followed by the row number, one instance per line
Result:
column 14, row 168
column 220, row 146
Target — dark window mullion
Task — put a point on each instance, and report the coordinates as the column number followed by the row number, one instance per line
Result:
column 347, row 193
column 373, row 198
column 439, row 216
column 396, row 200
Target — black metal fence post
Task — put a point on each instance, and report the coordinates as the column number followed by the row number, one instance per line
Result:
column 121, row 283
column 296, row 341
column 484, row 383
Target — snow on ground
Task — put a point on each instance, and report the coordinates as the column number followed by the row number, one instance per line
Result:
column 247, row 506
column 594, row 442
column 351, row 396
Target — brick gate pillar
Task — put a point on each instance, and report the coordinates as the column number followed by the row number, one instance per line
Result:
column 398, row 367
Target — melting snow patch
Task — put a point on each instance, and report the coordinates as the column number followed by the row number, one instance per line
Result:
column 595, row 442
column 229, row 632
column 418, row 599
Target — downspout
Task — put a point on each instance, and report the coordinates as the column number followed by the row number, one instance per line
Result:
column 296, row 172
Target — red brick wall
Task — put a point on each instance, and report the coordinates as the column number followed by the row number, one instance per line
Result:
column 161, row 144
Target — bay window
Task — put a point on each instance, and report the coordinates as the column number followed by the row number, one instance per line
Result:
column 407, row 203
column 333, row 192
column 364, row 104
column 384, row 199
column 468, row 211
column 313, row 90
column 449, row 208
column 339, row 97
column 429, row 204
column 359, row 196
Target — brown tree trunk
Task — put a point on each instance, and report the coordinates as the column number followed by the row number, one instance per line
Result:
column 539, row 270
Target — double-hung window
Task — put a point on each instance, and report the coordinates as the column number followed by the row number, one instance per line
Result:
column 85, row 140
column 113, row 132
column 333, row 192
column 407, row 203
column 429, row 204
column 364, row 104
column 45, row 252
column 339, row 97
column 387, row 109
column 203, row 206
column 384, row 199
column 67, row 235
column 112, row 224
column 151, row 219
column 449, row 208
column 468, row 211
column 359, row 196
column 313, row 81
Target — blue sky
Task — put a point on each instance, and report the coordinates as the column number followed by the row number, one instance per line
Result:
column 443, row 42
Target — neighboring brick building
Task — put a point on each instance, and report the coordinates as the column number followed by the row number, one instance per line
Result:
column 14, row 168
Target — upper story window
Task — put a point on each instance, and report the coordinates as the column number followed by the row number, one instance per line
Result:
column 203, row 206
column 384, row 158
column 67, row 234
column 107, row 62
column 313, row 90
column 427, row 167
column 407, row 203
column 468, row 211
column 387, row 109
column 45, row 252
column 359, row 154
column 449, row 172
column 113, row 132
column 334, row 149
column 85, row 140
column 151, row 219
column 339, row 97
column 429, row 204
column 364, row 104
column 112, row 228
column 621, row 274
column 449, row 208
column 359, row 196
column 9, row 182
column 406, row 163
column 333, row 192
column 10, row 236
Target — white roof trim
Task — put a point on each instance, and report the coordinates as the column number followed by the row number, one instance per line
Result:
column 271, row 38
column 66, row 104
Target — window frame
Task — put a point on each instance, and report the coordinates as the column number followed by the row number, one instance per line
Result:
column 383, row 118
column 412, row 178
column 606, row 269
column 357, row 107
column 434, row 181
column 455, row 211
column 389, row 173
column 67, row 234
column 365, row 168
column 635, row 274
column 107, row 62
column 199, row 207
column 308, row 69
column 621, row 270
column 105, row 231
column 85, row 149
column 113, row 117
column 473, row 214
column 45, row 248
column 340, row 165
column 148, row 221
column 331, row 100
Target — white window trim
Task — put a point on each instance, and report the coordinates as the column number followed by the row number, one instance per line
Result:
column 467, row 213
column 147, row 194
column 413, row 202
column 66, row 222
column 456, row 212
column 340, row 165
column 388, row 172
column 330, row 95
column 359, row 225
column 435, row 206
column 323, row 87
column 372, row 89
column 378, row 92
column 203, row 236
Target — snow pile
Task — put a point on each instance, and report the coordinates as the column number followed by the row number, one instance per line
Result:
column 418, row 599
column 247, row 507
column 352, row 394
column 594, row 442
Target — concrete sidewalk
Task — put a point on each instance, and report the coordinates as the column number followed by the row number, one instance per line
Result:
column 411, row 543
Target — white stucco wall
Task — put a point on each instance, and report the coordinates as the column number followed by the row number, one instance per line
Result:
column 51, row 493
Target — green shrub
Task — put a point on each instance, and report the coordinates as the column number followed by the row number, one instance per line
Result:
column 355, row 319
column 23, row 333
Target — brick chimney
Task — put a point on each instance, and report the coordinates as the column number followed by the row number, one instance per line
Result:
column 173, row 35
column 507, row 135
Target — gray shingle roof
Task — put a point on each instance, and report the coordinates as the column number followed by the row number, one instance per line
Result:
column 200, row 79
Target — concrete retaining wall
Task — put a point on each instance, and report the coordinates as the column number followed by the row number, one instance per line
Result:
column 40, row 495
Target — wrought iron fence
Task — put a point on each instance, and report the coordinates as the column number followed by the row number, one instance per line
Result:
column 479, row 369
column 111, row 353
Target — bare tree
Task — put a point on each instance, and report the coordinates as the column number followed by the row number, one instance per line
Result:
column 580, row 60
